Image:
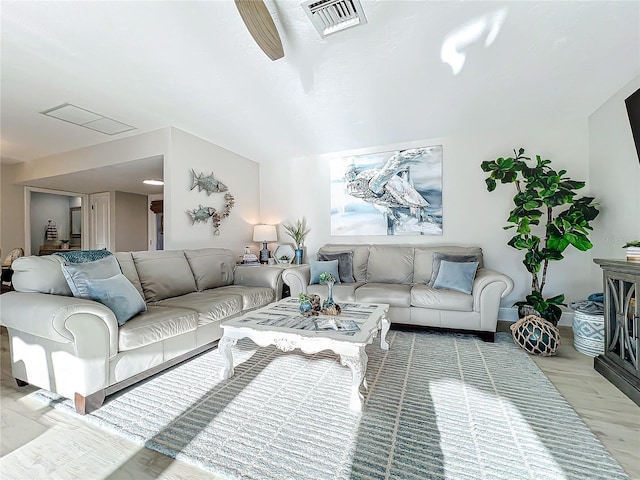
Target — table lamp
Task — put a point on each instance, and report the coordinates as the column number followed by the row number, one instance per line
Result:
column 264, row 234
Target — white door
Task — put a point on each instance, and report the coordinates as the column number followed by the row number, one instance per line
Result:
column 100, row 220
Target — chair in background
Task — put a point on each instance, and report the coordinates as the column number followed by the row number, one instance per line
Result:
column 7, row 271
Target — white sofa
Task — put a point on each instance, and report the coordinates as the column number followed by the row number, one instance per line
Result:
column 400, row 275
column 75, row 346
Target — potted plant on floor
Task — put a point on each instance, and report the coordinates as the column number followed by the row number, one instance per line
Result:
column 548, row 217
column 298, row 233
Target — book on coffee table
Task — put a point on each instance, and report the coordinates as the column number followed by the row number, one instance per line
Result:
column 337, row 325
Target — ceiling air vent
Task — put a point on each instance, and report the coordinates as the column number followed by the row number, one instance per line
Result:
column 331, row 16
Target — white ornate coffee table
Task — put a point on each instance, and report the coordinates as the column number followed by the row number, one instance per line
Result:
column 282, row 325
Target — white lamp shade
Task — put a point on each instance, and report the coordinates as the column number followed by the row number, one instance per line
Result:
column 265, row 233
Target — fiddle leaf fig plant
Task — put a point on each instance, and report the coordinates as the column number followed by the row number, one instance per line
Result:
column 548, row 217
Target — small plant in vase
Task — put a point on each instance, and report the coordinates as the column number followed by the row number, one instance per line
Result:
column 298, row 233
column 633, row 250
column 305, row 303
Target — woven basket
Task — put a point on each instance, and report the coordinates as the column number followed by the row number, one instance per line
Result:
column 588, row 333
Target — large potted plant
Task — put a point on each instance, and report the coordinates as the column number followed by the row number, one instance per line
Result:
column 298, row 233
column 548, row 217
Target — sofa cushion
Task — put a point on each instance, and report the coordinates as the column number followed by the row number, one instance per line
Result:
column 390, row 264
column 360, row 257
column 119, row 294
column 252, row 297
column 438, row 257
column 423, row 259
column 345, row 264
column 396, row 295
column 40, row 275
column 211, row 267
column 79, row 275
column 424, row 296
column 210, row 305
column 155, row 325
column 164, row 274
column 457, row 276
column 342, row 292
column 128, row 267
column 318, row 268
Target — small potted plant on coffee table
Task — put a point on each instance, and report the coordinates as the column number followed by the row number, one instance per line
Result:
column 305, row 303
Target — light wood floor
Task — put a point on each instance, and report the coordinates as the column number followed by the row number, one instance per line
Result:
column 38, row 442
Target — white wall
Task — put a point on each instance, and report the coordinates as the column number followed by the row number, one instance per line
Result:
column 599, row 150
column 11, row 210
column 614, row 178
column 473, row 216
column 181, row 152
column 12, row 202
column 131, row 231
column 238, row 173
column 145, row 145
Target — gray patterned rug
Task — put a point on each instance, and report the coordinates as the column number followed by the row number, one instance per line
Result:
column 439, row 406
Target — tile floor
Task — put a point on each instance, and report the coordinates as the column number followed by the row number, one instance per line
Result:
column 38, row 442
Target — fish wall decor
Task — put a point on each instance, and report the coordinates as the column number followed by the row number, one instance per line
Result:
column 202, row 214
column 207, row 183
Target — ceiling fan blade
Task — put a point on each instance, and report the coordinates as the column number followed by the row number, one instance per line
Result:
column 256, row 17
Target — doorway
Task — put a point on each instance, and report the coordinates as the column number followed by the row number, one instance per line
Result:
column 156, row 222
column 54, row 221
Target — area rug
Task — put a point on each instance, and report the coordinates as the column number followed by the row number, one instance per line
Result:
column 438, row 406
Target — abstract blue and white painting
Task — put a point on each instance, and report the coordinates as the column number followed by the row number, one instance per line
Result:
column 388, row 193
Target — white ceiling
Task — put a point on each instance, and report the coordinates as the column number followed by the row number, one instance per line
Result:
column 193, row 65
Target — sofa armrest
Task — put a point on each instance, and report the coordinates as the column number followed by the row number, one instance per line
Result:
column 57, row 318
column 489, row 287
column 297, row 279
column 259, row 276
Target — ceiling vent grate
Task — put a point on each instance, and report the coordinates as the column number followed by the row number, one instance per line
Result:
column 331, row 16
column 87, row 119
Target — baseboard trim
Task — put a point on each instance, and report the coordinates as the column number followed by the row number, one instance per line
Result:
column 510, row 314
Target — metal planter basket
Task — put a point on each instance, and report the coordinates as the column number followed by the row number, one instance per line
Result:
column 588, row 333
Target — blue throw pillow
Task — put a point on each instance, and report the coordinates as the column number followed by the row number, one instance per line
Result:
column 449, row 257
column 83, row 256
column 345, row 264
column 77, row 274
column 457, row 276
column 317, row 268
column 119, row 294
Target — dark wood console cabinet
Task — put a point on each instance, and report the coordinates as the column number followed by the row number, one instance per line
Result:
column 620, row 363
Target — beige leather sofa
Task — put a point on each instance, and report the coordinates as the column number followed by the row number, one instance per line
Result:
column 75, row 347
column 399, row 275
